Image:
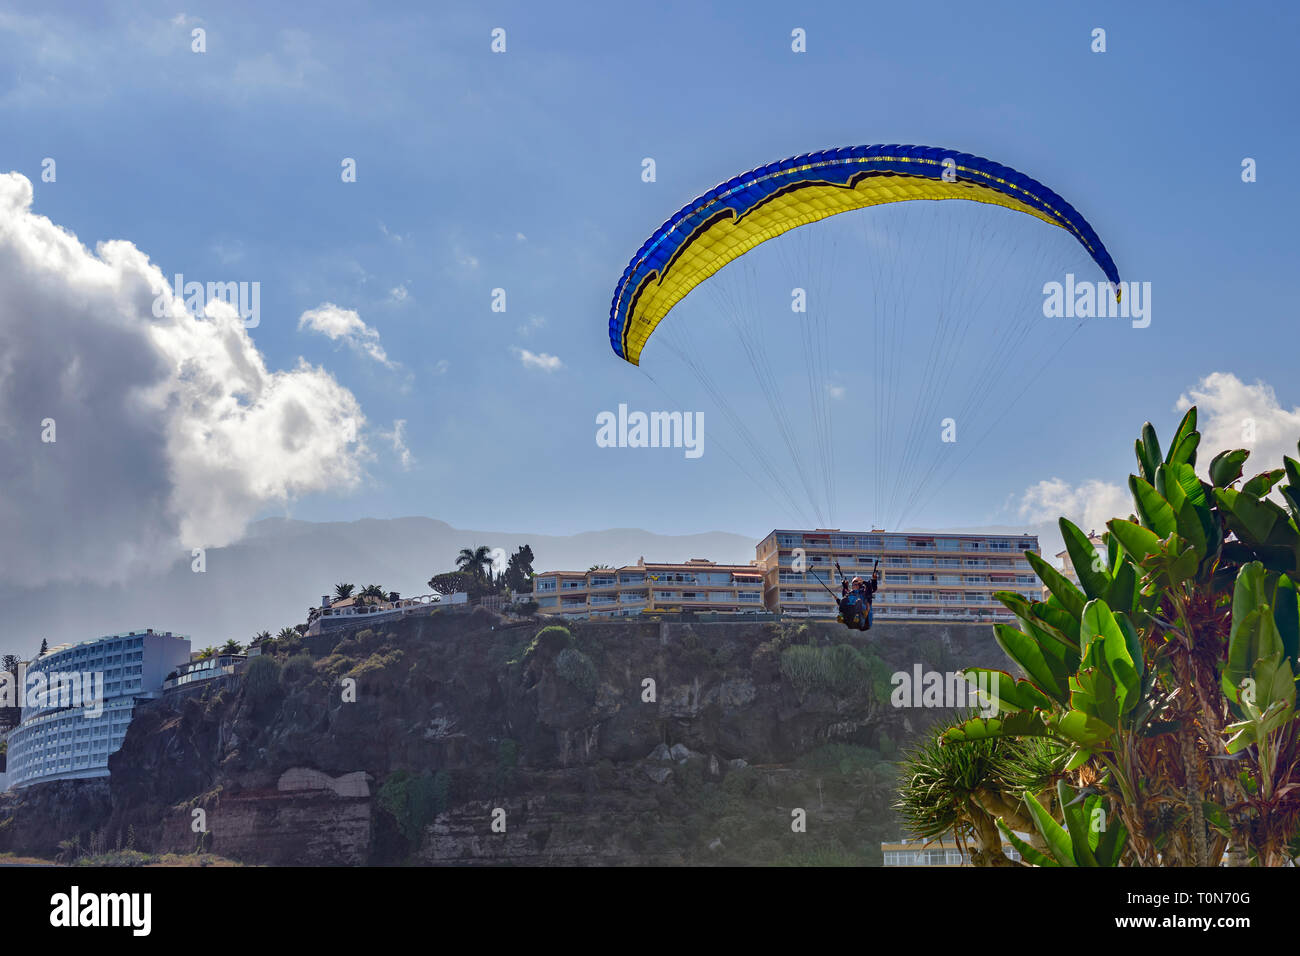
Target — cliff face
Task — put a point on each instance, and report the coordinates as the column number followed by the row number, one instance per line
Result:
column 456, row 740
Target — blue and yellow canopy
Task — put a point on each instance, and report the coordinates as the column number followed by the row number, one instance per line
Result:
column 729, row 220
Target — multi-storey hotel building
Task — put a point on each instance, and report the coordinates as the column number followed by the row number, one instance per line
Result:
column 696, row 585
column 61, row 739
column 949, row 577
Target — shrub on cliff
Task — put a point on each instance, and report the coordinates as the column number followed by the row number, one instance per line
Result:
column 550, row 639
column 261, row 679
column 842, row 670
column 576, row 667
column 297, row 667
column 414, row 801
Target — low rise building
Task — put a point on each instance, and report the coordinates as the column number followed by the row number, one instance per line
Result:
column 696, row 585
column 943, row 852
column 350, row 612
column 203, row 669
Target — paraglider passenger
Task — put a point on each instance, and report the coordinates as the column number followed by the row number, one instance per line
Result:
column 856, row 600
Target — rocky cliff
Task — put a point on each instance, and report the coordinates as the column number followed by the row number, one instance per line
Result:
column 459, row 739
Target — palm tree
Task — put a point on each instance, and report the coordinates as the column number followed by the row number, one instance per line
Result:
column 600, row 567
column 206, row 653
column 476, row 561
column 343, row 591
column 286, row 633
column 373, row 592
column 233, row 646
column 962, row 790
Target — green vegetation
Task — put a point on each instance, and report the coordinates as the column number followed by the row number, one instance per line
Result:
column 841, row 670
column 577, row 668
column 474, row 574
column 841, row 757
column 414, row 801
column 261, row 679
column 965, row 790
column 297, row 667
column 378, row 661
column 549, row 638
column 1166, row 676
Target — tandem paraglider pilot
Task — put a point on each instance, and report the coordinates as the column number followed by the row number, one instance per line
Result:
column 855, row 602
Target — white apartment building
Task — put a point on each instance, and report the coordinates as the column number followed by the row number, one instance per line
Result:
column 60, row 741
column 923, row 577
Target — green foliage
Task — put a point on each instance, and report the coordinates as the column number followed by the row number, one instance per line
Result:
column 947, row 788
column 519, row 571
column 577, row 668
column 841, row 757
column 551, row 638
column 414, row 800
column 296, row 668
column 1087, row 839
column 1183, row 639
column 841, row 670
column 453, row 582
column 261, row 679
column 377, row 662
column 887, row 745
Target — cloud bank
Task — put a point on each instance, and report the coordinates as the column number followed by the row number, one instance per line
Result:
column 170, row 431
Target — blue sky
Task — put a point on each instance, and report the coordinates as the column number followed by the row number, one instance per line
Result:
column 522, row 171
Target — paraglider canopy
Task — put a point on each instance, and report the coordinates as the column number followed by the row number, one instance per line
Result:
column 734, row 217
column 938, row 323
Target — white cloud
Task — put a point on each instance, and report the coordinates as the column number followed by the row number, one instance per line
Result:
column 520, row 237
column 1089, row 504
column 547, row 363
column 440, row 368
column 171, row 431
column 464, row 259
column 344, row 325
column 397, row 438
column 1232, row 414
column 399, row 294
column 836, row 391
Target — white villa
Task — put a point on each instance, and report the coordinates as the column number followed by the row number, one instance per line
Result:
column 334, row 614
